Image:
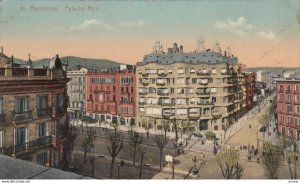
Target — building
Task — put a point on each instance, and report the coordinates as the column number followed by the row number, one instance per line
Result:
column 288, row 74
column 77, row 92
column 202, row 90
column 111, row 94
column 250, row 89
column 263, row 78
column 288, row 106
column 33, row 106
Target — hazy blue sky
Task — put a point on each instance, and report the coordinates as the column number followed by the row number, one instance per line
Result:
column 259, row 32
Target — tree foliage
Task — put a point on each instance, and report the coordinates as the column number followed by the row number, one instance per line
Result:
column 88, row 143
column 115, row 145
column 134, row 140
column 271, row 158
column 228, row 161
column 161, row 142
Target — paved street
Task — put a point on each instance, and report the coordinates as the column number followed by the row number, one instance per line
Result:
column 247, row 135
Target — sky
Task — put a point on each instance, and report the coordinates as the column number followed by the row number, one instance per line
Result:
column 258, row 32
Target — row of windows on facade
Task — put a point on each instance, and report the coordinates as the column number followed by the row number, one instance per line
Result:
column 179, row 111
column 183, row 111
column 186, row 90
column 76, row 88
column 22, row 103
column 289, row 87
column 124, row 80
column 186, row 101
column 22, row 133
column 183, row 71
column 123, row 89
column 289, row 98
column 76, row 104
column 76, row 96
column 186, row 80
column 289, row 108
column 77, row 80
column 100, row 98
column 123, row 110
column 289, row 120
column 290, row 132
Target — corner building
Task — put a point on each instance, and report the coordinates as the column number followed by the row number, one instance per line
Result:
column 33, row 106
column 202, row 90
column 288, row 107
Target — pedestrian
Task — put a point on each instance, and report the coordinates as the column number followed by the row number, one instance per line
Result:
column 250, row 126
column 258, row 160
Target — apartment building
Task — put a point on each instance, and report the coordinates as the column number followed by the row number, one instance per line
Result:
column 33, row 106
column 111, row 94
column 77, row 92
column 288, row 106
column 202, row 90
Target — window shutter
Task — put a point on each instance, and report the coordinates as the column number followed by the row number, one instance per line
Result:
column 15, row 137
column 1, row 138
column 47, row 129
column 37, row 131
column 26, row 135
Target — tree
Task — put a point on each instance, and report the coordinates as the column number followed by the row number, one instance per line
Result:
column 228, row 161
column 271, row 158
column 264, row 121
column 115, row 141
column 88, row 143
column 226, row 127
column 132, row 124
column 71, row 135
column 166, row 127
column 175, row 126
column 161, row 142
column 146, row 125
column 134, row 140
column 291, row 155
column 142, row 162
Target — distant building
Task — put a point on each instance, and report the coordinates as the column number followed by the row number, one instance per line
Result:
column 273, row 78
column 202, row 90
column 111, row 94
column 289, row 74
column 250, row 89
column 264, row 78
column 33, row 106
column 288, row 106
column 77, row 92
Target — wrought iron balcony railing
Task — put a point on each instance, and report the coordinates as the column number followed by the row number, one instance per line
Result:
column 21, row 116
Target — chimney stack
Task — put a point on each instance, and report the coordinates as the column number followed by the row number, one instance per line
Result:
column 12, row 60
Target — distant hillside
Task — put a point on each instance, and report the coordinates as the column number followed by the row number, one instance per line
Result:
column 77, row 62
column 276, row 70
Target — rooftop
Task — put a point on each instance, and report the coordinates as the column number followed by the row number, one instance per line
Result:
column 20, row 169
column 200, row 55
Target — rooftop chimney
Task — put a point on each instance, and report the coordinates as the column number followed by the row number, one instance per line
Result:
column 200, row 45
column 181, row 49
column 12, row 60
column 216, row 47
